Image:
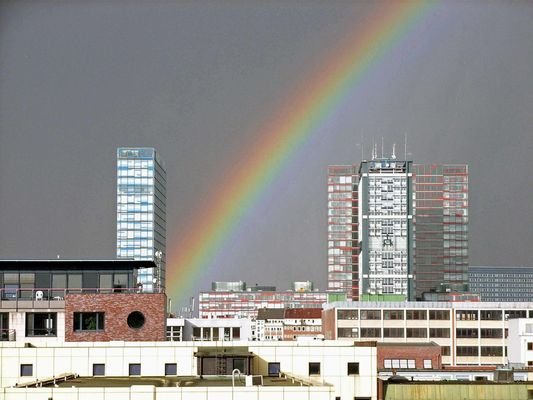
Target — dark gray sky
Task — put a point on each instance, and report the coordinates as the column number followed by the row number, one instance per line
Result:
column 196, row 79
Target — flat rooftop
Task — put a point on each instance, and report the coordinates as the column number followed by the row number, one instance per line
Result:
column 168, row 381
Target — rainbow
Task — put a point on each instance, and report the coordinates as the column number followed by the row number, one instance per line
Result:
column 296, row 120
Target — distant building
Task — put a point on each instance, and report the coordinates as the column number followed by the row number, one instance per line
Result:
column 397, row 228
column 141, row 212
column 501, row 283
column 521, row 342
column 302, row 323
column 245, row 303
column 469, row 333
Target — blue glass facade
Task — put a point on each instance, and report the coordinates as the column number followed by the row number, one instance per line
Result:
column 141, row 212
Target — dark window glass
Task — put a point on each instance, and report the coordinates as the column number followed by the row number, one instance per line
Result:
column 26, row 369
column 439, row 332
column 347, row 332
column 416, row 333
column 171, row 369
column 353, row 368
column 491, row 333
column 274, row 369
column 441, row 315
column 466, row 315
column 98, row 369
column 136, row 320
column 88, row 321
column 134, row 369
column 467, row 333
column 491, row 351
column 467, row 351
column 347, row 314
column 314, row 368
column 236, row 333
column 393, row 332
column 445, row 350
column 370, row 332
column 41, row 324
column 240, row 364
column 490, row 315
column 393, row 314
column 416, row 314
column 371, row 314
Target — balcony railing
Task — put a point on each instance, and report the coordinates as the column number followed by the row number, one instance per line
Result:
column 53, row 297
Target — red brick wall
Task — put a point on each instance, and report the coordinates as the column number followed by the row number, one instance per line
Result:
column 409, row 352
column 117, row 307
column 328, row 324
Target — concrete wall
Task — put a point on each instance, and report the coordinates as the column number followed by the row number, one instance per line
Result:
column 294, row 359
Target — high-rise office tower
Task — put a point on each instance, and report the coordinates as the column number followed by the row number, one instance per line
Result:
column 397, row 228
column 141, row 212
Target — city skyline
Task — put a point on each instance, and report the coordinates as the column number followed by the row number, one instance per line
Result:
column 199, row 82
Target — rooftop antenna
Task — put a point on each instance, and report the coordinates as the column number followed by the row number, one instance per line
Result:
column 393, row 151
column 374, row 151
column 382, row 156
column 405, row 145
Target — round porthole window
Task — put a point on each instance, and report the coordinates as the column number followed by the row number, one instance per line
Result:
column 136, row 320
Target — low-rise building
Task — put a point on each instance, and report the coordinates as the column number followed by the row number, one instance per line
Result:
column 469, row 333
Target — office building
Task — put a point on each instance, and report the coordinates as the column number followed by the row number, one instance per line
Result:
column 234, row 300
column 501, row 283
column 469, row 333
column 397, row 229
column 141, row 212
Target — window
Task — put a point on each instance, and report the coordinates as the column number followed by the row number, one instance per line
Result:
column 236, row 331
column 416, row 333
column 393, row 332
column 370, row 314
column 347, row 314
column 467, row 333
column 134, row 369
column 530, row 346
column 240, row 364
column 41, row 324
column 274, row 369
column 440, row 315
column 416, row 314
column 392, row 314
column 466, row 315
column 427, row 363
column 467, row 351
column 439, row 332
column 445, row 350
column 98, row 369
column 136, row 320
column 314, row 368
column 370, row 332
column 490, row 315
column 26, row 369
column 171, row 369
column 491, row 351
column 88, row 321
column 491, row 333
column 347, row 333
column 353, row 368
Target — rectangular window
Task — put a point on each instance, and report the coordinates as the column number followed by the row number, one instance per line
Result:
column 353, row 368
column 134, row 369
column 240, row 364
column 445, row 350
column 41, row 324
column 490, row 315
column 427, row 363
column 467, row 351
column 439, row 332
column 274, row 369
column 347, row 314
column 491, row 351
column 439, row 315
column 393, row 332
column 88, row 321
column 314, row 368
column 171, row 369
column 530, row 346
column 467, row 315
column 416, row 314
column 26, row 369
column 370, row 332
column 347, row 333
column 371, row 314
column 236, row 331
column 416, row 333
column 491, row 333
column 393, row 314
column 467, row 333
column 98, row 369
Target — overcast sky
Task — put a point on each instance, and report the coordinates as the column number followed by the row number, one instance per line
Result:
column 196, row 79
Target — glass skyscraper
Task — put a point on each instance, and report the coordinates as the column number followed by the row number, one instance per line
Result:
column 397, row 228
column 141, row 212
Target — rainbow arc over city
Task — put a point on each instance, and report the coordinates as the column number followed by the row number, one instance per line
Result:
column 295, row 121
